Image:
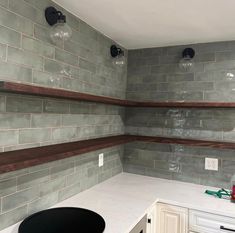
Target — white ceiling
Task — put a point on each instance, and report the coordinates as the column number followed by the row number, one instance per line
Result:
column 155, row 23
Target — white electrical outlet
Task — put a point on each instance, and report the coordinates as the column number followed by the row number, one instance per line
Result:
column 101, row 160
column 211, row 164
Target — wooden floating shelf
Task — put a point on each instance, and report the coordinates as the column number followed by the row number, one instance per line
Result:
column 26, row 89
column 184, row 105
column 187, row 142
column 15, row 160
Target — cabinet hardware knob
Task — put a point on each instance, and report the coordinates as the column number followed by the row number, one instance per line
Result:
column 226, row 229
column 149, row 220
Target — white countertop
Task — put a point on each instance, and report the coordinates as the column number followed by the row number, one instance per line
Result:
column 124, row 199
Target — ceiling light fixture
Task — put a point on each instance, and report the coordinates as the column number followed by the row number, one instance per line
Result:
column 61, row 31
column 186, row 63
column 118, row 55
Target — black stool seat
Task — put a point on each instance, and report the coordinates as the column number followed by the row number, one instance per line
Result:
column 63, row 220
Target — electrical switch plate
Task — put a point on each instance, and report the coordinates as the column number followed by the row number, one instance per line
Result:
column 101, row 160
column 211, row 164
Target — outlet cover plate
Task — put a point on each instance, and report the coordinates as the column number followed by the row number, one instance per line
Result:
column 211, row 164
column 101, row 160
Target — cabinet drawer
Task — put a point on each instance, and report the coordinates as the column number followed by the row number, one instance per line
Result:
column 203, row 222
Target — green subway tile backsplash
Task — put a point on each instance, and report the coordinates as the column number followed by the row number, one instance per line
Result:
column 38, row 47
column 28, row 55
column 15, row 22
column 10, row 37
column 42, row 186
column 83, row 64
column 154, row 75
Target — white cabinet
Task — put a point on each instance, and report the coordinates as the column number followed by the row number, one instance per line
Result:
column 203, row 222
column 151, row 220
column 171, row 219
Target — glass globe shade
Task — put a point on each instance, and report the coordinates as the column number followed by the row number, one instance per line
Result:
column 60, row 32
column 119, row 60
column 186, row 64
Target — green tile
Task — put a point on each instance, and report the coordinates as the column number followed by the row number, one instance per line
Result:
column 84, row 40
column 32, row 179
column 43, row 203
column 12, row 217
column 57, row 68
column 52, row 186
column 73, row 120
column 89, row 182
column 46, row 120
column 104, row 176
column 14, row 121
column 12, row 72
column 34, row 135
column 66, row 57
column 2, row 103
column 64, row 133
column 28, row 11
column 38, row 47
column 10, row 37
column 19, row 198
column 87, row 65
column 7, row 187
column 10, row 175
column 40, row 4
column 78, row 49
column 69, row 191
column 77, row 176
column 25, row 58
column 8, row 138
column 47, row 79
column 4, row 3
column 22, row 104
column 88, row 30
column 60, row 68
column 62, row 170
column 15, row 22
column 21, row 147
column 3, row 52
column 52, row 106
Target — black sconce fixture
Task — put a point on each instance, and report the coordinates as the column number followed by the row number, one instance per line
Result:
column 60, row 31
column 118, row 55
column 186, row 63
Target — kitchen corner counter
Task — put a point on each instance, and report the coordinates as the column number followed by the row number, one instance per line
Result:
column 124, row 199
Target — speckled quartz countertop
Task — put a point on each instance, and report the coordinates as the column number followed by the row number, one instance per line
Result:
column 124, row 199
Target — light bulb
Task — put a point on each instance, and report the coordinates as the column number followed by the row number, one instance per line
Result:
column 60, row 32
column 186, row 64
column 119, row 60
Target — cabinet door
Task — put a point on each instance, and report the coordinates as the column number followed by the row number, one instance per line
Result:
column 151, row 220
column 171, row 219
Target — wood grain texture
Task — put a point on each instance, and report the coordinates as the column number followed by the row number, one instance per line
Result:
column 184, row 104
column 188, row 142
column 15, row 160
column 26, row 89
column 71, row 95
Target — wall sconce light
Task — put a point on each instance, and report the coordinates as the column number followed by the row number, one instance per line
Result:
column 60, row 31
column 118, row 55
column 186, row 63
